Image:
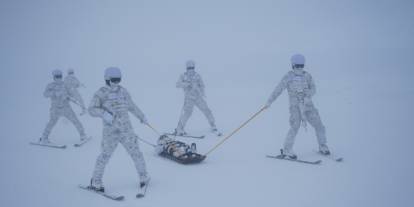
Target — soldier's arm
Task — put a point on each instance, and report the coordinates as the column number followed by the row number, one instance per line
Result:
column 312, row 88
column 95, row 108
column 181, row 83
column 48, row 91
column 133, row 108
column 278, row 90
column 201, row 86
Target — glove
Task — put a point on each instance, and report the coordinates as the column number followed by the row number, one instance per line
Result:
column 188, row 85
column 307, row 92
column 108, row 118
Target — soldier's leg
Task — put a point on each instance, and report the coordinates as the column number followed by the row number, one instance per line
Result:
column 71, row 116
column 130, row 142
column 78, row 97
column 202, row 105
column 186, row 112
column 314, row 119
column 55, row 113
column 295, row 120
column 108, row 145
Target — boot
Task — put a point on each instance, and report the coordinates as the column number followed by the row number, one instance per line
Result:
column 44, row 140
column 144, row 180
column 289, row 153
column 97, row 186
column 323, row 149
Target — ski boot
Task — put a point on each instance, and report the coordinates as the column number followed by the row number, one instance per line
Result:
column 215, row 131
column 144, row 180
column 143, row 184
column 83, row 137
column 96, row 186
column 323, row 149
column 44, row 140
column 289, row 153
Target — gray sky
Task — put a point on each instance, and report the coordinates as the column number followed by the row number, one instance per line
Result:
column 228, row 39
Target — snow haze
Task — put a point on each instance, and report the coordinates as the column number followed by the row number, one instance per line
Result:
column 358, row 52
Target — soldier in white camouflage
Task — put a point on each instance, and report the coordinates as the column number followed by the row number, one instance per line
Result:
column 194, row 90
column 112, row 103
column 60, row 96
column 301, row 89
column 72, row 83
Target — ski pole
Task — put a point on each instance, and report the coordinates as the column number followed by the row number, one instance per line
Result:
column 153, row 129
column 76, row 102
column 231, row 134
column 146, row 142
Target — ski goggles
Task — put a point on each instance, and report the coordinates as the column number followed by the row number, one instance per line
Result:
column 298, row 65
column 190, row 68
column 115, row 80
column 58, row 76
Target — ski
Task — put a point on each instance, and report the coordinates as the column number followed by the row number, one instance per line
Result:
column 142, row 190
column 49, row 144
column 186, row 136
column 284, row 157
column 80, row 143
column 330, row 156
column 107, row 195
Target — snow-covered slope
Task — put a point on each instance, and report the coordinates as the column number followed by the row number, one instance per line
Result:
column 358, row 52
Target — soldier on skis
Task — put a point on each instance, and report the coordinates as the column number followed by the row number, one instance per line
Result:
column 60, row 96
column 72, row 83
column 301, row 89
column 193, row 86
column 112, row 103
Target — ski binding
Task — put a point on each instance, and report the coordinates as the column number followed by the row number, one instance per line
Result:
column 331, row 156
column 80, row 143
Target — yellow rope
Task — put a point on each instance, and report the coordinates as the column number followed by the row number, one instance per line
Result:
column 231, row 134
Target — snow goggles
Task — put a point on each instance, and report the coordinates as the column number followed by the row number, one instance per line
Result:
column 190, row 68
column 115, row 80
column 58, row 76
column 299, row 66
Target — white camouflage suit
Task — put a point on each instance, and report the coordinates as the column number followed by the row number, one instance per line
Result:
column 72, row 83
column 60, row 97
column 300, row 89
column 193, row 87
column 116, row 101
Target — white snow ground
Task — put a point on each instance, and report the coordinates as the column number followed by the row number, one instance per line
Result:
column 359, row 53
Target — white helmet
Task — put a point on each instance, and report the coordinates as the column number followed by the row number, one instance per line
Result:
column 297, row 59
column 190, row 64
column 57, row 73
column 71, row 71
column 112, row 72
